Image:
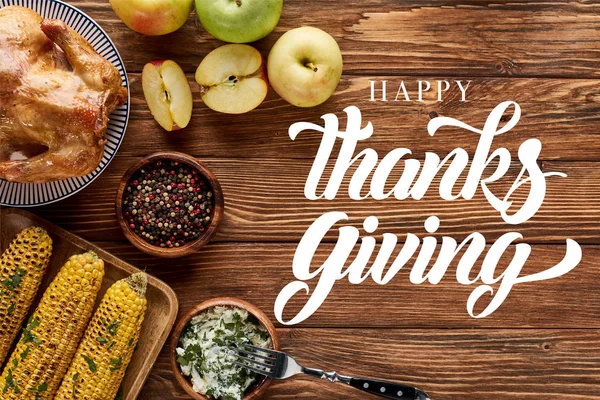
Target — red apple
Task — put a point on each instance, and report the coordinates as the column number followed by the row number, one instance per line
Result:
column 168, row 94
column 153, row 17
column 233, row 79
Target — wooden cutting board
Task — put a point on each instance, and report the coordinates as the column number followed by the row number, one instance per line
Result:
column 162, row 301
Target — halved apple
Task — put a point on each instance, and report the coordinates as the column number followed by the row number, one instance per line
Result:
column 168, row 94
column 233, row 79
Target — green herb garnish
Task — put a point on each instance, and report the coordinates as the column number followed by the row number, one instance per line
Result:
column 10, row 382
column 116, row 364
column 112, row 327
column 91, row 364
column 75, row 377
column 27, row 335
column 25, row 353
column 40, row 389
column 11, row 308
column 181, row 360
column 15, row 279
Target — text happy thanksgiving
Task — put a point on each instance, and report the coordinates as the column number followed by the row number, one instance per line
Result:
column 487, row 165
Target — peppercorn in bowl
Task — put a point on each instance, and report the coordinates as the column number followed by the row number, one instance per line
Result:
column 169, row 204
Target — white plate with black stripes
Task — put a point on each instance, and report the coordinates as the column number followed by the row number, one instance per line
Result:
column 30, row 195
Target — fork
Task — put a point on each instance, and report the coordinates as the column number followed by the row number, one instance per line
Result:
column 278, row 365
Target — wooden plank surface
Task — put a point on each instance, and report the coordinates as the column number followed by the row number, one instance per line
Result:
column 458, row 364
column 449, row 38
column 265, row 269
column 541, row 343
column 553, row 110
column 264, row 201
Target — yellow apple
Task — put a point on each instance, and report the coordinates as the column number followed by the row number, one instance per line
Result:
column 168, row 94
column 305, row 66
column 153, row 17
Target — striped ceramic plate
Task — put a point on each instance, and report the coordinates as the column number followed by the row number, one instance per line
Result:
column 27, row 195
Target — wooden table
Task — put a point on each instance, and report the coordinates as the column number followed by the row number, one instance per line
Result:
column 544, row 342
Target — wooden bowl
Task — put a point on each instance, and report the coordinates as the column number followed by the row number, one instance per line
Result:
column 255, row 391
column 189, row 247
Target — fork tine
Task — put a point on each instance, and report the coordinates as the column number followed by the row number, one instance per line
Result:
column 271, row 352
column 254, row 362
column 248, row 353
column 255, row 370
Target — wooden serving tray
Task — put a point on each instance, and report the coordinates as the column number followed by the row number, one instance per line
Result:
column 162, row 301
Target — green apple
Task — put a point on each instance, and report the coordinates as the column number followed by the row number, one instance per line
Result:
column 239, row 21
column 153, row 17
column 305, row 66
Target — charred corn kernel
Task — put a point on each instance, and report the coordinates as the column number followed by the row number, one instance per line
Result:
column 50, row 338
column 108, row 344
column 22, row 268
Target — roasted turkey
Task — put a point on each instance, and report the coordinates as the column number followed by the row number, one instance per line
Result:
column 56, row 94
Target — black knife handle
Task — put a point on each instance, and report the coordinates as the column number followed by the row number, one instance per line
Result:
column 388, row 390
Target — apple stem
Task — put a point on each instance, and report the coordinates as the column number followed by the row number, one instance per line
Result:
column 311, row 66
column 238, row 2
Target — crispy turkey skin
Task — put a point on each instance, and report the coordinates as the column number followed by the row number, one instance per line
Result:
column 56, row 94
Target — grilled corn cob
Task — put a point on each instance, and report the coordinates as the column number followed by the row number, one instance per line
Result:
column 49, row 340
column 22, row 268
column 107, row 346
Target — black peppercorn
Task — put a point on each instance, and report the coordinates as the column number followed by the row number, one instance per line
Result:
column 168, row 204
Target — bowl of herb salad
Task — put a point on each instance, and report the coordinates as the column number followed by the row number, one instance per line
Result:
column 200, row 350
